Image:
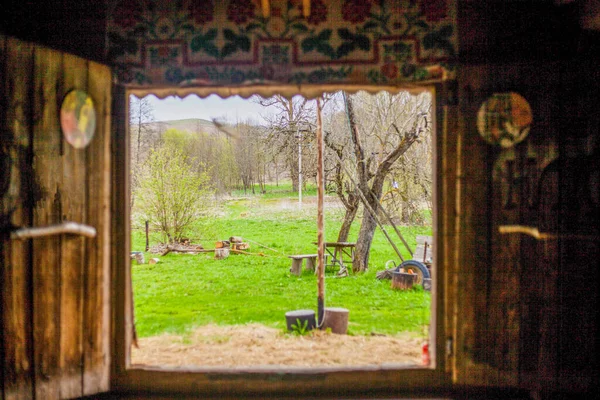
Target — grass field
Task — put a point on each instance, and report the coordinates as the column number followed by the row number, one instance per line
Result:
column 185, row 291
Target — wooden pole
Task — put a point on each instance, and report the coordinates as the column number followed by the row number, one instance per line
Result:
column 320, row 220
column 147, row 241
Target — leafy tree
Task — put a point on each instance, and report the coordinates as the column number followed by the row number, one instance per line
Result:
column 171, row 194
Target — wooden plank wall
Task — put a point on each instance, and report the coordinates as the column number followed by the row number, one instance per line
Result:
column 55, row 290
column 526, row 309
column 526, row 314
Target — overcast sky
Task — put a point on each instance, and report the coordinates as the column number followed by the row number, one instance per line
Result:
column 232, row 109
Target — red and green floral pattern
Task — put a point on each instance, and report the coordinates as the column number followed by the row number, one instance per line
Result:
column 230, row 42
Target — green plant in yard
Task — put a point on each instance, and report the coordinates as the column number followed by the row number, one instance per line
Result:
column 171, row 195
column 300, row 328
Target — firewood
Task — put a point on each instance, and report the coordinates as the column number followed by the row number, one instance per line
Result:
column 240, row 246
column 221, row 253
column 385, row 274
column 222, row 244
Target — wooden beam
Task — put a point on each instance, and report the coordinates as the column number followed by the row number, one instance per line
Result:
column 97, row 283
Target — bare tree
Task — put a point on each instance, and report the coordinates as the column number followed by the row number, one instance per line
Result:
column 143, row 138
column 394, row 125
column 410, row 186
column 293, row 117
column 339, row 161
column 245, row 155
column 141, row 115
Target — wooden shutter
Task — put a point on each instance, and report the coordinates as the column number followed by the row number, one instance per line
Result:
column 526, row 307
column 55, row 289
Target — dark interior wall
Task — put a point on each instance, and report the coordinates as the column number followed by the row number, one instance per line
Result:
column 516, row 31
column 77, row 27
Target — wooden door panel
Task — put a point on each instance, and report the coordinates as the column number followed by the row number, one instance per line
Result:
column 16, row 255
column 55, row 304
column 527, row 306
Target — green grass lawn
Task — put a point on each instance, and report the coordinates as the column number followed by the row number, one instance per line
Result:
column 185, row 291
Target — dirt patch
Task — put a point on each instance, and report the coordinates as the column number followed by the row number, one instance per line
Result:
column 257, row 345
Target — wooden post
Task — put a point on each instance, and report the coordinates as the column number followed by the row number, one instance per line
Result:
column 320, row 220
column 147, row 241
column 310, row 263
column 296, row 266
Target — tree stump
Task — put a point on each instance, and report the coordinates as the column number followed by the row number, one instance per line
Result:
column 336, row 319
column 300, row 316
column 403, row 280
column 221, row 253
column 138, row 256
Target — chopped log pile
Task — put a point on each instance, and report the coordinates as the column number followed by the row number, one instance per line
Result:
column 235, row 244
column 184, row 248
column 222, row 248
column 385, row 274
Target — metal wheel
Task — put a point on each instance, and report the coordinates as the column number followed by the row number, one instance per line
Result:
column 416, row 267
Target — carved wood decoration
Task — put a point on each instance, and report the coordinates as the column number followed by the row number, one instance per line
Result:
column 188, row 42
column 55, row 289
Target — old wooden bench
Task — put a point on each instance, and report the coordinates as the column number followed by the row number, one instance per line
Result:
column 311, row 262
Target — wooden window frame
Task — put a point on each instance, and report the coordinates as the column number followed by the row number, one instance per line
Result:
column 396, row 380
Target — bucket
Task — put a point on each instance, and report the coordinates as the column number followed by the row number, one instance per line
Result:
column 300, row 316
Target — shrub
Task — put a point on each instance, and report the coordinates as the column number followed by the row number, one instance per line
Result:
column 171, row 195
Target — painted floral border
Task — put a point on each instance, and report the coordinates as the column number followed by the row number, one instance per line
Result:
column 166, row 43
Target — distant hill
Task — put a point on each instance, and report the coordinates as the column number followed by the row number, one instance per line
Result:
column 190, row 125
